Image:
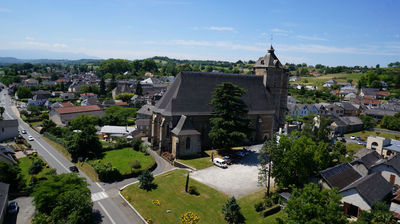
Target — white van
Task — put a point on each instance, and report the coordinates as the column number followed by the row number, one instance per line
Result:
column 220, row 162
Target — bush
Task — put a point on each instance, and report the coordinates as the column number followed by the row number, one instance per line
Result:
column 106, row 172
column 273, row 210
column 146, row 180
column 193, row 190
column 136, row 144
column 36, row 167
column 259, row 206
column 135, row 164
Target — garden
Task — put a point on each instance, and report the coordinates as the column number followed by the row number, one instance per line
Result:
column 169, row 202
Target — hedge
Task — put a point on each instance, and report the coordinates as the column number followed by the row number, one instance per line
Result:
column 270, row 211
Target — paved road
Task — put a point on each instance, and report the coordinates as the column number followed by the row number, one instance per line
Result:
column 105, row 196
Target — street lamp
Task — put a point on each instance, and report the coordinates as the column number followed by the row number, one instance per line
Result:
column 176, row 216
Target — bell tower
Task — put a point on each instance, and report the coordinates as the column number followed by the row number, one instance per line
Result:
column 275, row 80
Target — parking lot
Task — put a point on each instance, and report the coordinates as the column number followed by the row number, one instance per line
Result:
column 25, row 213
column 237, row 180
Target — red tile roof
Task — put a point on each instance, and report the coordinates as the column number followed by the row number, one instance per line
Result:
column 67, row 104
column 382, row 93
column 78, row 109
column 376, row 102
column 121, row 103
column 61, row 80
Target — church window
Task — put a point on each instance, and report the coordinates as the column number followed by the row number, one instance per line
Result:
column 188, row 143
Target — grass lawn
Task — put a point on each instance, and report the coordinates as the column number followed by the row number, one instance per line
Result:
column 84, row 166
column 247, row 207
column 121, row 158
column 320, row 80
column 25, row 163
column 354, row 147
column 171, row 194
column 36, row 123
column 368, row 133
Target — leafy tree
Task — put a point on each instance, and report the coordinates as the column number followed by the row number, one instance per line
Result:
column 288, row 118
column 139, row 89
column 379, row 214
column 231, row 212
column 84, row 144
column 136, row 144
column 229, row 123
column 149, row 65
column 391, row 122
column 24, row 92
column 146, row 180
column 89, row 89
column 36, row 166
column 368, row 121
column 10, row 174
column 82, row 121
column 47, row 124
column 315, row 205
column 62, row 198
column 265, row 168
column 126, row 97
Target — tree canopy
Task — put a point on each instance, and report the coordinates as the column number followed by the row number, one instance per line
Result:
column 312, row 204
column 229, row 123
column 84, row 144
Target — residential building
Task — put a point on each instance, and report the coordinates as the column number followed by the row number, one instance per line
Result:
column 123, row 87
column 362, row 194
column 8, row 129
column 62, row 116
column 389, row 168
column 293, row 110
column 369, row 92
column 329, row 83
column 291, row 99
column 89, row 101
column 384, row 146
column 109, row 131
column 31, row 82
column 7, row 155
column 39, row 99
column 85, row 96
column 339, row 176
column 143, row 121
column 378, row 114
column 364, row 159
column 67, row 96
column 349, row 96
column 342, row 125
column 348, row 108
column 294, row 78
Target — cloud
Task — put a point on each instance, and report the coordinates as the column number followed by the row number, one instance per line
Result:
column 221, row 28
column 29, row 38
column 311, row 38
column 280, row 32
column 58, row 45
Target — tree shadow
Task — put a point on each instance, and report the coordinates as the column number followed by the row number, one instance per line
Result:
column 97, row 217
column 152, row 186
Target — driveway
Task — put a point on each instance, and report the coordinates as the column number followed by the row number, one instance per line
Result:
column 25, row 214
column 237, row 180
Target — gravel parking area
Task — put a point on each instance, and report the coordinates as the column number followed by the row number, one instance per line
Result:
column 237, row 180
column 25, row 214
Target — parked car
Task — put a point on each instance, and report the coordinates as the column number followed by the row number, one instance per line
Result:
column 13, row 208
column 220, row 162
column 23, row 131
column 358, row 138
column 30, row 138
column 240, row 154
column 228, row 160
column 353, row 137
column 73, row 169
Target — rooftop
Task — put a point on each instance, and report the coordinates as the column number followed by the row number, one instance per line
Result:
column 340, row 175
column 77, row 109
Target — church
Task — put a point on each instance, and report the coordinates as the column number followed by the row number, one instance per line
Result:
column 180, row 121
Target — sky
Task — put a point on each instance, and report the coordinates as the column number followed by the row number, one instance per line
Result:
column 349, row 32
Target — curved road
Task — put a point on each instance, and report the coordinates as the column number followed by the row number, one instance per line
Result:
column 105, row 196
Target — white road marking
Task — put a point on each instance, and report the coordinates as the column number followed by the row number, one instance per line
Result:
column 108, row 215
column 100, row 186
column 99, row 195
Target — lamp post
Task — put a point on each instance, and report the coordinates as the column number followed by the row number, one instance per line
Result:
column 176, row 216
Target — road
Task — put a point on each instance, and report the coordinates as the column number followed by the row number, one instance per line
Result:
column 106, row 199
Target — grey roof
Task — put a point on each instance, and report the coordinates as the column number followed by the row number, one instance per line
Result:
column 331, row 81
column 350, row 120
column 146, row 110
column 379, row 112
column 3, row 197
column 184, row 127
column 142, row 121
column 8, row 123
column 191, row 92
column 269, row 60
column 372, row 188
column 7, row 153
column 362, row 152
column 368, row 159
column 346, row 106
column 369, row 91
column 340, row 175
column 394, row 162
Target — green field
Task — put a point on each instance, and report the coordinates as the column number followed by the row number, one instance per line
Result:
column 368, row 133
column 121, row 159
column 354, row 147
column 171, row 193
column 25, row 163
column 320, row 80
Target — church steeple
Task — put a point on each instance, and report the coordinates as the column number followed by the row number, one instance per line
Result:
column 271, row 49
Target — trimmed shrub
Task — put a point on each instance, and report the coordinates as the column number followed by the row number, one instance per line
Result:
column 273, row 210
column 36, row 167
column 259, row 206
column 193, row 190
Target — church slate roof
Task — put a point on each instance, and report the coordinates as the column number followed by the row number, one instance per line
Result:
column 184, row 127
column 191, row 92
column 269, row 60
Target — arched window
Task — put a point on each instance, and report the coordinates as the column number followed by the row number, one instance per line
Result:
column 188, row 143
column 374, row 145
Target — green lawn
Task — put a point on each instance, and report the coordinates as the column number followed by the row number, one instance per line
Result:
column 368, row 133
column 171, row 194
column 25, row 163
column 36, row 123
column 121, row 158
column 354, row 147
column 320, row 80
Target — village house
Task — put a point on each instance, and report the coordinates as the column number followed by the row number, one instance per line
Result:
column 342, row 125
column 61, row 105
column 362, row 194
column 369, row 92
column 39, row 98
column 67, row 96
column 339, row 176
column 378, row 113
column 384, row 146
column 364, row 159
column 84, row 96
column 62, row 116
column 8, row 129
column 291, row 99
column 329, row 83
column 180, row 120
column 143, row 119
column 31, row 82
column 123, row 87
column 110, row 132
column 7, row 155
column 389, row 168
column 348, row 108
